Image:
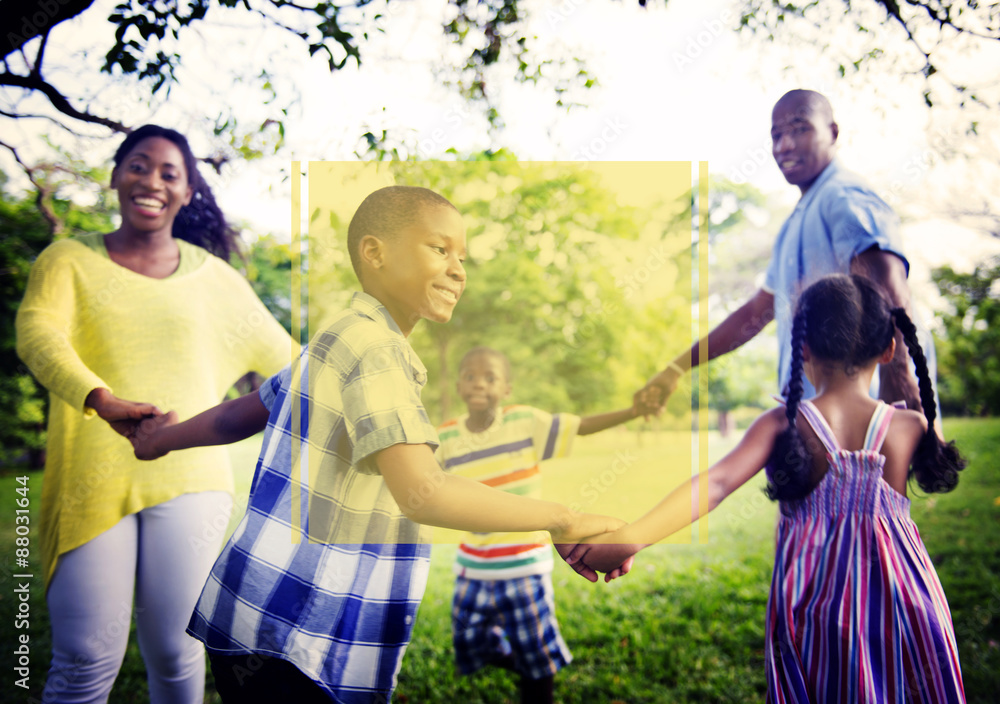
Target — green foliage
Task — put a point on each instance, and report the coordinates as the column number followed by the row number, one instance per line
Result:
column 586, row 296
column 148, row 34
column 25, row 235
column 268, row 268
column 969, row 356
column 26, row 232
column 550, row 254
column 742, row 379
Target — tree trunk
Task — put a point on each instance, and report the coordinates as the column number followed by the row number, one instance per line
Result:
column 724, row 425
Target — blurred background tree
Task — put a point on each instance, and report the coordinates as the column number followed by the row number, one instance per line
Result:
column 26, row 232
column 552, row 262
column 969, row 351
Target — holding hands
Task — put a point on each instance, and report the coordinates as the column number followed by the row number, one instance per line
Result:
column 144, row 440
column 603, row 550
column 123, row 416
column 607, row 553
column 585, row 526
column 612, row 551
column 651, row 398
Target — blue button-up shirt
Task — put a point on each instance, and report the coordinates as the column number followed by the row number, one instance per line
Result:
column 837, row 218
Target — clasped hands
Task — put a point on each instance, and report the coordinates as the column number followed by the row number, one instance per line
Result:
column 136, row 421
column 125, row 417
column 602, row 553
column 651, row 399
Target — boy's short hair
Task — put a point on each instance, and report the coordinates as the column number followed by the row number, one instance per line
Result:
column 487, row 352
column 385, row 212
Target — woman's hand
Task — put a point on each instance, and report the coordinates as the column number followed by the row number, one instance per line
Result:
column 123, row 416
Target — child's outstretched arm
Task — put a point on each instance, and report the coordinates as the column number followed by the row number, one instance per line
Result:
column 602, row 421
column 428, row 495
column 226, row 423
column 684, row 505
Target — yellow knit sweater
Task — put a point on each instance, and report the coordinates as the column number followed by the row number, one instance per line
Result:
column 179, row 342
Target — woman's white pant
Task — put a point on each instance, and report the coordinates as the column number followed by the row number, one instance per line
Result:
column 161, row 556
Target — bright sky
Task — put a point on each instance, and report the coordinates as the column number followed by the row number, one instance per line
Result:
column 675, row 83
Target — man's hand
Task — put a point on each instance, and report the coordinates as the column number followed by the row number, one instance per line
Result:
column 651, row 398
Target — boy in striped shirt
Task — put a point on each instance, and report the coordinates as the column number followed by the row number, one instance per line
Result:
column 503, row 611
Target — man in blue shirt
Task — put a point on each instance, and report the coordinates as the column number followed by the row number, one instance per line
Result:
column 838, row 225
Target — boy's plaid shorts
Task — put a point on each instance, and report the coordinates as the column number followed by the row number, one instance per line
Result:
column 492, row 619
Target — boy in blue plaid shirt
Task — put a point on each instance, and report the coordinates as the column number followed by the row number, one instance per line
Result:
column 315, row 595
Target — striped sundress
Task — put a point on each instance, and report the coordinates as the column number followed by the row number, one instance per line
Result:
column 856, row 611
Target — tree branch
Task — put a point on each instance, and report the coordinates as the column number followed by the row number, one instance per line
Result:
column 26, row 116
column 41, row 192
column 941, row 17
column 58, row 100
column 23, row 20
column 36, row 70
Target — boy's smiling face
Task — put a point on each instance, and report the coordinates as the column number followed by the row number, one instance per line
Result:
column 420, row 271
column 482, row 382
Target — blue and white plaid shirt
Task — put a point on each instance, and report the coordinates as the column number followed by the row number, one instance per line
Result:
column 324, row 571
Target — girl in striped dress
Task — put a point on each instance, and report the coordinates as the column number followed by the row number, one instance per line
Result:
column 856, row 611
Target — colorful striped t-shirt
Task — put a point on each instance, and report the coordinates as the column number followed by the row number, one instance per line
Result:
column 506, row 456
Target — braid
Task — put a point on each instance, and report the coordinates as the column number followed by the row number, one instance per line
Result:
column 935, row 464
column 788, row 466
column 909, row 331
column 795, row 385
column 202, row 223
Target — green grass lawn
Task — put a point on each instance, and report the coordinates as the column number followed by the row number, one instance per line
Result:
column 687, row 625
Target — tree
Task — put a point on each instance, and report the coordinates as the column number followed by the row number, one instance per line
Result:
column 27, row 404
column 25, row 234
column 268, row 268
column 927, row 26
column 149, row 34
column 743, row 380
column 488, row 34
column 969, row 354
column 554, row 272
column 740, row 241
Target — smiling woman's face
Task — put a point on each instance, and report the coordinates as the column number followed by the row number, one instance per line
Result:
column 152, row 185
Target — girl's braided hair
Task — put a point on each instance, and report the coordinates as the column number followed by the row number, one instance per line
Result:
column 845, row 319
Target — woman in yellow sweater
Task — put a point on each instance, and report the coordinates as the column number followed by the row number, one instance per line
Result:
column 152, row 312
